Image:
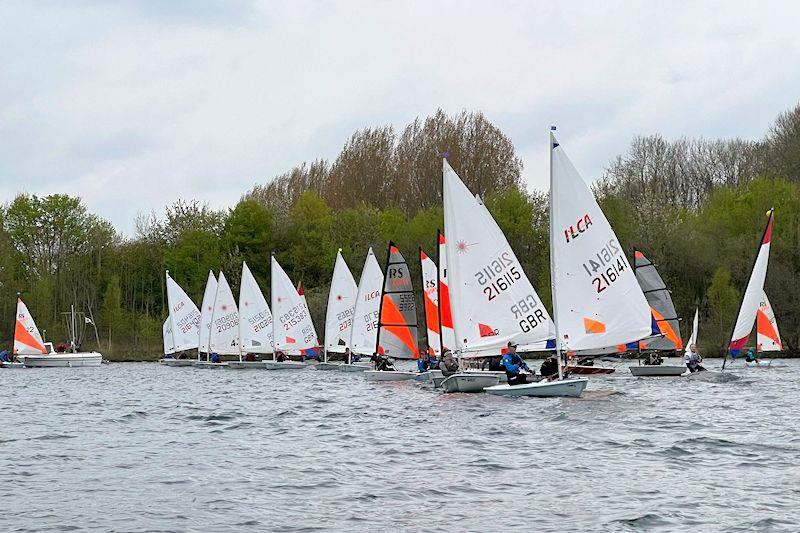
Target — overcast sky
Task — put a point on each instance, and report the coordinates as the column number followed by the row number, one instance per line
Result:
column 132, row 105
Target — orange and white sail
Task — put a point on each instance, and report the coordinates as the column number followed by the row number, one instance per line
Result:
column 445, row 309
column 27, row 339
column 430, row 296
column 768, row 336
column 397, row 322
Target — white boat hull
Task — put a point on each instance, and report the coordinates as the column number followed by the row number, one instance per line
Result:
column 657, row 370
column 571, row 388
column 246, row 365
column 209, row 364
column 177, row 362
column 62, row 359
column 327, row 366
column 284, row 365
column 469, row 382
column 389, row 375
column 11, row 365
column 355, row 367
column 759, row 364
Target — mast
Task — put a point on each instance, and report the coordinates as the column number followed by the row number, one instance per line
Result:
column 439, row 288
column 770, row 214
column 272, row 298
column 380, row 302
column 553, row 144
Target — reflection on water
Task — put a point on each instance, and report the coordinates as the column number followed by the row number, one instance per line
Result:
column 142, row 447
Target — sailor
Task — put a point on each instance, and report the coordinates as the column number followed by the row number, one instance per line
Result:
column 448, row 365
column 425, row 363
column 514, row 365
column 493, row 364
column 382, row 363
column 549, row 367
column 346, row 357
column 751, row 356
column 281, row 357
column 693, row 359
column 250, row 356
column 4, row 356
column 214, row 357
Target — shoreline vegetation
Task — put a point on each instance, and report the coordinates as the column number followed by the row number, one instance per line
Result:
column 695, row 207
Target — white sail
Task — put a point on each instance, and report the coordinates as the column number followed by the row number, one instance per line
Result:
column 430, row 297
column 341, row 306
column 693, row 337
column 206, row 310
column 492, row 300
column 166, row 331
column 753, row 292
column 255, row 318
column 27, row 339
column 768, row 336
column 224, row 338
column 294, row 330
column 597, row 300
column 445, row 308
column 185, row 317
column 364, row 334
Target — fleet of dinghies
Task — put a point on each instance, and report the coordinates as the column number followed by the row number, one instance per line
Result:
column 477, row 301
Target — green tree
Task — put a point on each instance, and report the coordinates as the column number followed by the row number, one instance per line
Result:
column 723, row 303
column 311, row 252
column 112, row 309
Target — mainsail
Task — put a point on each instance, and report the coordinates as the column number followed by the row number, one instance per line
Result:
column 206, row 310
column 597, row 301
column 752, row 294
column 768, row 337
column 294, row 330
column 693, row 337
column 341, row 306
column 397, row 323
column 492, row 300
column 224, row 338
column 166, row 331
column 255, row 318
column 185, row 317
column 364, row 334
column 661, row 306
column 430, row 297
column 445, row 309
column 27, row 339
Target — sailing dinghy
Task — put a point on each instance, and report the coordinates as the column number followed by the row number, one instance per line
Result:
column 364, row 330
column 181, row 328
column 339, row 315
column 397, row 319
column 255, row 322
column 754, row 301
column 223, row 338
column 293, row 330
column 31, row 350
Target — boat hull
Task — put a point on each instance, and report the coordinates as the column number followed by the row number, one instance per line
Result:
column 246, row 365
column 178, row 362
column 571, row 388
column 583, row 370
column 389, row 375
column 327, row 366
column 62, row 360
column 285, row 365
column 209, row 365
column 469, row 382
column 5, row 364
column 356, row 367
column 657, row 370
column 760, row 364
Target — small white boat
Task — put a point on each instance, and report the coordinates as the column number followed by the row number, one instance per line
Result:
column 469, row 382
column 571, row 388
column 327, row 366
column 169, row 361
column 284, row 365
column 389, row 375
column 759, row 364
column 354, row 367
column 209, row 364
column 246, row 365
column 657, row 370
column 9, row 364
column 62, row 359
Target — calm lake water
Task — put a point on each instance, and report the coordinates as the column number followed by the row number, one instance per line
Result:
column 143, row 447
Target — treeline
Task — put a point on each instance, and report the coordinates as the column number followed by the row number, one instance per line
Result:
column 696, row 208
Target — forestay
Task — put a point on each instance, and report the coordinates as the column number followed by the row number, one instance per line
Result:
column 364, row 335
column 294, row 330
column 753, row 293
column 492, row 300
column 445, row 308
column 661, row 306
column 206, row 310
column 185, row 317
column 27, row 339
column 596, row 298
column 397, row 323
column 768, row 337
column 255, row 318
column 341, row 306
column 430, row 296
column 224, row 338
